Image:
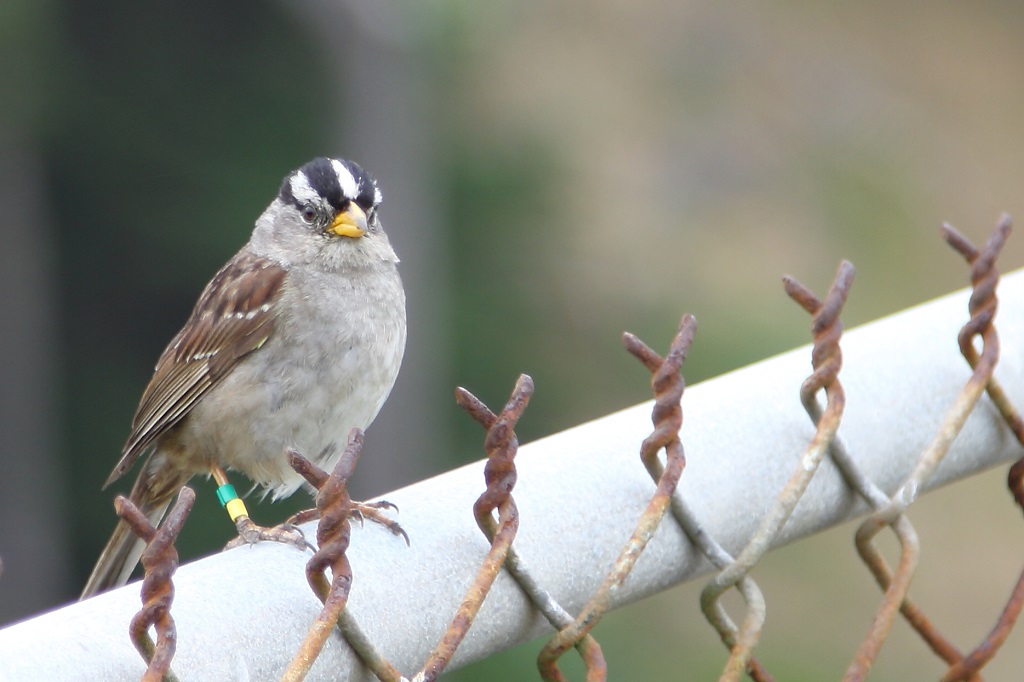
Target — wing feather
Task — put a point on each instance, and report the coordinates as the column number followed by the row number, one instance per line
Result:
column 233, row 317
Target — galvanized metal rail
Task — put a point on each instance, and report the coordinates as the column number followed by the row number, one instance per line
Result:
column 242, row 614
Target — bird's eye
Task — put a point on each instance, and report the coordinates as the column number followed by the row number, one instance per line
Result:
column 309, row 213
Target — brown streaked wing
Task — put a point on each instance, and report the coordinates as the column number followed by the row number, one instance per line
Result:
column 233, row 317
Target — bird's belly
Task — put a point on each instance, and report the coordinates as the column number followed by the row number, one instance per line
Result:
column 309, row 404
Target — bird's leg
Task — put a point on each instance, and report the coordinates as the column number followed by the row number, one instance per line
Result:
column 248, row 532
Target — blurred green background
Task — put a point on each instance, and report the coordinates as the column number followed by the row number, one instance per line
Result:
column 553, row 173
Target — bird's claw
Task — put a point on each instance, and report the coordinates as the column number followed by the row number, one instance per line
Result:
column 373, row 512
column 289, row 532
column 249, row 534
column 360, row 511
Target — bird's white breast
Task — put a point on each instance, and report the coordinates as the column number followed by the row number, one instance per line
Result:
column 329, row 366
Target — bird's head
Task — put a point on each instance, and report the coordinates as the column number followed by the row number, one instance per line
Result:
column 325, row 213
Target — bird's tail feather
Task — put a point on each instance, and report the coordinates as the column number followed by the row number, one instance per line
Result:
column 123, row 550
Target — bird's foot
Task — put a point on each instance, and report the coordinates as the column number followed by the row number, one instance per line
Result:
column 374, row 511
column 249, row 534
column 361, row 511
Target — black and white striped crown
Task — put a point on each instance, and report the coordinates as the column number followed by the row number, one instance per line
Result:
column 335, row 181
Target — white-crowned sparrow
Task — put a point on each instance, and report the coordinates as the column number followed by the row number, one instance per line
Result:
column 294, row 342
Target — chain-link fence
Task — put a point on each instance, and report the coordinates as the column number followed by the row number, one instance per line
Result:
column 573, row 525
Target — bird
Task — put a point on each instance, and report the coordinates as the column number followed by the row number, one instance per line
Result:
column 294, row 342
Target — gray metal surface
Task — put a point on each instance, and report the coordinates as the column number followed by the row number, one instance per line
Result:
column 241, row 615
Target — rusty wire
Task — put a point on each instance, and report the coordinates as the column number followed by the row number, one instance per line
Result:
column 826, row 360
column 667, row 384
column 982, row 307
column 334, row 507
column 159, row 560
column 985, row 278
column 720, row 559
column 589, row 649
column 905, row 534
column 710, row 547
column 904, row 531
column 501, row 445
column 685, row 517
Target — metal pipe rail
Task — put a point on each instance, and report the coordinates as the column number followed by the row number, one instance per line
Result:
column 241, row 614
